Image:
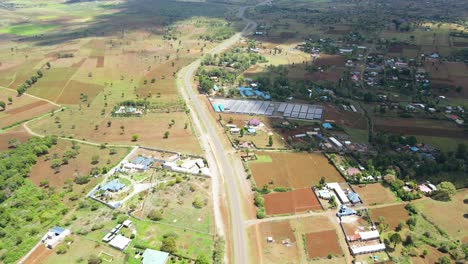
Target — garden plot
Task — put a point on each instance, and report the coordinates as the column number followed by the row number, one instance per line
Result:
column 322, row 244
column 300, row 200
column 374, row 194
column 392, row 215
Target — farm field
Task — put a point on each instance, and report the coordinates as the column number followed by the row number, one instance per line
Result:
column 393, row 215
column 321, row 244
column 299, row 200
column 22, row 108
column 17, row 133
column 334, row 114
column 424, row 127
column 80, row 166
column 453, row 219
column 290, row 232
column 374, row 194
column 295, row 170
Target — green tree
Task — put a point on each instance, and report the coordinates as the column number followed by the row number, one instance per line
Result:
column 270, row 140
column 95, row 159
column 202, row 259
column 155, row 215
column 169, row 244
column 55, row 164
column 10, row 100
column 395, row 238
column 135, row 137
column 444, row 260
column 166, row 134
column 445, row 191
column 2, row 105
column 93, row 259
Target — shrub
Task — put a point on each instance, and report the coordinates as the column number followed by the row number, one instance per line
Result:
column 155, row 215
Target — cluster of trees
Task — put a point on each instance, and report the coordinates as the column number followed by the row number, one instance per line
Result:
column 236, row 58
column 219, row 34
column 25, row 210
column 21, row 89
column 445, row 166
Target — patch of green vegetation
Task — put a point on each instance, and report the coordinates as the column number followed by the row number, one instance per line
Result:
column 358, row 135
column 28, row 30
column 263, row 159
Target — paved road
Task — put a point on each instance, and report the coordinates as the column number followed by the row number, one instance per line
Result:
column 223, row 166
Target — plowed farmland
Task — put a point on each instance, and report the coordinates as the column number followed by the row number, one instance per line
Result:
column 296, row 170
column 299, row 200
column 320, row 244
column 374, row 194
column 393, row 215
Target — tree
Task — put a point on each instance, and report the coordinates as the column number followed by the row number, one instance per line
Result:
column 270, row 140
column 56, row 163
column 109, row 123
column 10, row 100
column 48, row 65
column 2, row 105
column 169, row 244
column 93, row 259
column 135, row 137
column 202, row 259
column 445, row 191
column 332, row 202
column 155, row 215
column 395, row 238
column 40, row 74
column 13, row 143
column 242, row 132
column 444, row 260
column 166, row 134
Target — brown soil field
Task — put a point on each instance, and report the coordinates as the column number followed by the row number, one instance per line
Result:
column 16, row 133
column 276, row 252
column 320, row 244
column 453, row 219
column 75, row 88
column 423, row 127
column 100, row 62
column 79, row 166
column 330, row 60
column 353, row 224
column 460, row 44
column 393, row 214
column 39, row 255
column 23, row 108
column 296, row 170
column 432, row 257
column 344, row 118
column 374, row 194
column 296, row 201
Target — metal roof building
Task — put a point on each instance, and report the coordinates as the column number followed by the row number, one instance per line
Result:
column 151, row 256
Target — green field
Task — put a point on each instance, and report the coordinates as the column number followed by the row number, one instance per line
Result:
column 28, row 30
column 263, row 159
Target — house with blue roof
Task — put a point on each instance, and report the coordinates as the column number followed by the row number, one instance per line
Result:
column 151, row 256
column 345, row 211
column 354, row 197
column 113, row 186
column 327, row 126
column 414, row 149
column 215, row 88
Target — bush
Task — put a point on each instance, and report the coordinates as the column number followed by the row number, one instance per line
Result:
column 197, row 203
column 155, row 215
column 261, row 213
column 62, row 249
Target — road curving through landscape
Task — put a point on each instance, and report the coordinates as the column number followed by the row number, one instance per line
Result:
column 223, row 169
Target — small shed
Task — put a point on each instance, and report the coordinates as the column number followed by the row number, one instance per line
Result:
column 120, row 242
column 127, row 223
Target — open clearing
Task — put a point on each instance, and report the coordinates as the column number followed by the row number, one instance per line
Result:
column 453, row 219
column 82, row 248
column 23, row 108
column 424, row 127
column 295, row 170
column 321, row 244
column 296, row 201
column 79, row 166
column 17, row 133
column 374, row 194
column 393, row 215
